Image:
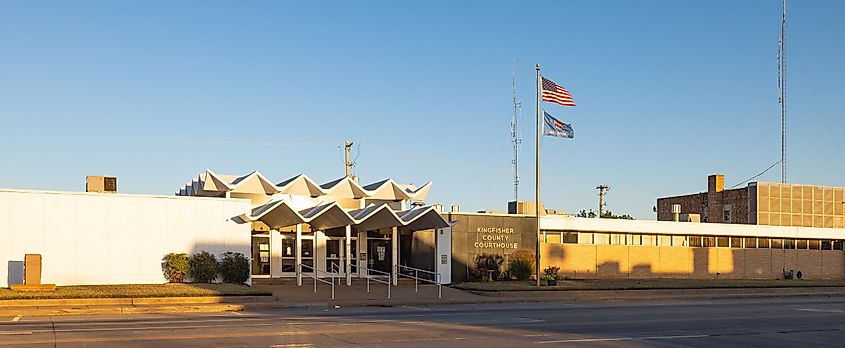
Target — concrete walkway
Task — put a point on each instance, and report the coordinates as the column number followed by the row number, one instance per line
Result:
column 286, row 294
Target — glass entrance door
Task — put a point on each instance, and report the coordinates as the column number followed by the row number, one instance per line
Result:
column 261, row 255
column 379, row 254
column 308, row 253
column 289, row 253
column 334, row 255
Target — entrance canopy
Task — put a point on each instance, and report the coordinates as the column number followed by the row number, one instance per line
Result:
column 280, row 214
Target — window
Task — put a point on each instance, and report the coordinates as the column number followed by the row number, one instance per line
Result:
column 763, row 242
column 750, row 242
column 789, row 243
column 837, row 245
column 695, row 241
column 736, row 242
column 552, row 237
column 570, row 237
column 727, row 214
column 777, row 243
column 617, row 239
column 601, row 238
column 801, row 244
column 635, row 239
column 814, row 244
column 708, row 242
column 827, row 245
column 722, row 242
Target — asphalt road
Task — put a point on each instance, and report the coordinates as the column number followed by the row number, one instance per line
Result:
column 749, row 322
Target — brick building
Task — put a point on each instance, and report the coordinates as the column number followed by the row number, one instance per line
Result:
column 760, row 203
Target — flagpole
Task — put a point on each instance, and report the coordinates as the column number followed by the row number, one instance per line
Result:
column 537, row 182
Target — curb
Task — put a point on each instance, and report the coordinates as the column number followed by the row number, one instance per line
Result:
column 169, row 305
column 133, row 301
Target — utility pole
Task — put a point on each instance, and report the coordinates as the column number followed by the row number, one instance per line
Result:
column 602, row 189
column 347, row 145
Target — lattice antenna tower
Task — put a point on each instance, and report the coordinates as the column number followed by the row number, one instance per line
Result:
column 517, row 113
column 782, row 93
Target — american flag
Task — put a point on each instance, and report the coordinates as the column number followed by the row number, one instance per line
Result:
column 554, row 93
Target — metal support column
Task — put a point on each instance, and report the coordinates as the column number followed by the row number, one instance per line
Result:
column 394, row 253
column 349, row 257
column 298, row 259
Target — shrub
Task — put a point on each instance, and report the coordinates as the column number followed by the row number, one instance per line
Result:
column 521, row 264
column 487, row 266
column 203, row 267
column 176, row 267
column 234, row 268
column 551, row 273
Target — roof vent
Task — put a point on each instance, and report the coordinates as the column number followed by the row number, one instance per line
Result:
column 102, row 184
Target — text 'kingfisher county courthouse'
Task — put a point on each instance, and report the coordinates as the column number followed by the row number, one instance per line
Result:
column 298, row 226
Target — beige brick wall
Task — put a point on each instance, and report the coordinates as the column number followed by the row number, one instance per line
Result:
column 833, row 264
column 621, row 261
column 758, row 264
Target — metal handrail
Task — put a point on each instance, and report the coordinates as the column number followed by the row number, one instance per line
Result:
column 313, row 274
column 367, row 275
column 335, row 268
column 417, row 279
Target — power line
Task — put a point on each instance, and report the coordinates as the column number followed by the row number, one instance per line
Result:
column 761, row 173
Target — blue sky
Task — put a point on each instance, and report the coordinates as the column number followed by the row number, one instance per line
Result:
column 668, row 92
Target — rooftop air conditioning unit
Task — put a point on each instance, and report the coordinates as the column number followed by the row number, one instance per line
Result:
column 793, row 274
column 107, row 184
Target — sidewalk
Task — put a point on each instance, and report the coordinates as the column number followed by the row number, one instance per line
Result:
column 288, row 295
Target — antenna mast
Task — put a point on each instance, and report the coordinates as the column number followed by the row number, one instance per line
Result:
column 347, row 145
column 517, row 112
column 781, row 88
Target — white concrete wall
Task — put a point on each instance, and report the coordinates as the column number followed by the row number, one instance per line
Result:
column 90, row 238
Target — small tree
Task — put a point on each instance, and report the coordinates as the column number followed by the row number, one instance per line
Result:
column 234, row 268
column 521, row 264
column 203, row 267
column 176, row 267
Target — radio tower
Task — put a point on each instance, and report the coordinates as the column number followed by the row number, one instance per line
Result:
column 517, row 113
column 781, row 90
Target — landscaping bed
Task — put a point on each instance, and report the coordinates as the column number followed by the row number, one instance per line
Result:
column 632, row 284
column 135, row 291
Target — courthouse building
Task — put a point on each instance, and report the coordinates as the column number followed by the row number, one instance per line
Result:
column 288, row 229
column 299, row 228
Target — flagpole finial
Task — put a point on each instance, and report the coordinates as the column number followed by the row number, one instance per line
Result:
column 538, row 67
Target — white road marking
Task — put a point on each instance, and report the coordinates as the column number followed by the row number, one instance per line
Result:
column 16, row 318
column 672, row 337
column 588, row 340
column 15, row 332
column 820, row 310
column 609, row 339
column 292, row 345
column 418, row 308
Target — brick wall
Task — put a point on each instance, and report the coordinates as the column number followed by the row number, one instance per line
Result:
column 714, row 200
column 622, row 261
column 690, row 204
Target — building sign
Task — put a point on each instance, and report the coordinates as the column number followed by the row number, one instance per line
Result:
column 495, row 238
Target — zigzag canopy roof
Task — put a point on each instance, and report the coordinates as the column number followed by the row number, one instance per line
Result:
column 213, row 184
column 278, row 214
